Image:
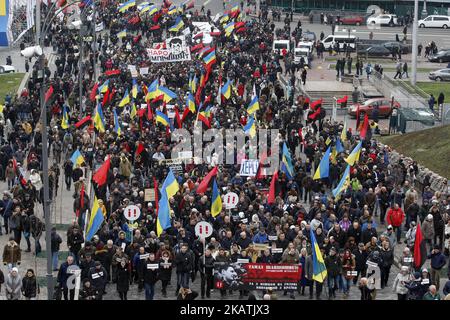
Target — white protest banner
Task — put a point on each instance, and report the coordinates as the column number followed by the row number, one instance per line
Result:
column 99, row 27
column 249, row 168
column 176, row 42
column 169, row 55
column 143, row 71
column 170, row 111
column 186, row 31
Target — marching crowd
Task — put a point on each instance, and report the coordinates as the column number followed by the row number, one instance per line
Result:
column 378, row 209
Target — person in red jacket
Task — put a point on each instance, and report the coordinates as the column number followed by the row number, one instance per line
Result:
column 395, row 218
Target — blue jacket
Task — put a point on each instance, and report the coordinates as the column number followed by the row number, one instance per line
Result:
column 437, row 260
column 260, row 238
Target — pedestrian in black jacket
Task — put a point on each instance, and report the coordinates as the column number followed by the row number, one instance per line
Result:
column 30, row 288
column 55, row 243
column 360, row 261
column 149, row 270
column 184, row 264
column 123, row 279
column 74, row 241
column 206, row 268
column 89, row 292
column 165, row 271
column 98, row 278
column 387, row 256
column 437, row 263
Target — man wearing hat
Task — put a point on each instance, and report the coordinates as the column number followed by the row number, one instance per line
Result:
column 98, row 278
column 437, row 263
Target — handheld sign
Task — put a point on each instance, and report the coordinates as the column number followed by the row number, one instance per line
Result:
column 132, row 213
column 249, row 168
column 230, row 200
column 203, row 229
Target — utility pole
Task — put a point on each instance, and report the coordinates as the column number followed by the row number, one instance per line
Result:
column 414, row 43
column 46, row 204
column 38, row 21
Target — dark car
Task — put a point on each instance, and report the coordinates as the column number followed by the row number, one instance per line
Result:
column 392, row 45
column 309, row 35
column 441, row 56
column 352, row 20
column 377, row 51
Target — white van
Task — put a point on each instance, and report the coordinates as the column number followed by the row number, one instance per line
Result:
column 435, row 22
column 302, row 52
column 341, row 39
column 309, row 45
column 279, row 45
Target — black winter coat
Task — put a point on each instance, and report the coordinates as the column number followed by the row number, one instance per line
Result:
column 29, row 287
column 150, row 276
column 184, row 262
column 165, row 272
column 123, row 278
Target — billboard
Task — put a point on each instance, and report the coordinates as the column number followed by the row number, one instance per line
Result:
column 4, row 15
column 257, row 276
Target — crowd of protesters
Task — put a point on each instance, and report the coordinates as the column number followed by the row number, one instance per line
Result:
column 378, row 211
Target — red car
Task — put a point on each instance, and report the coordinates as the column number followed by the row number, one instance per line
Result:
column 354, row 20
column 384, row 106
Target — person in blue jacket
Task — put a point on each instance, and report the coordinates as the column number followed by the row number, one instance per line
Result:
column 261, row 236
column 437, row 263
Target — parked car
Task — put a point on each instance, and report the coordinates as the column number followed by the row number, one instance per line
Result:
column 308, row 36
column 377, row 51
column 435, row 21
column 384, row 105
column 400, row 46
column 383, row 20
column 7, row 69
column 302, row 52
column 353, row 20
column 440, row 75
column 440, row 56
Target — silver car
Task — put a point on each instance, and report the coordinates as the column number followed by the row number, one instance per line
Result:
column 440, row 75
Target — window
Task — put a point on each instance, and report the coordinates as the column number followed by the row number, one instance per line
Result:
column 440, row 19
column 281, row 45
column 428, row 19
column 328, row 39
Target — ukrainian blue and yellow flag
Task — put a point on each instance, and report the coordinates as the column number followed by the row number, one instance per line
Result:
column 190, row 102
column 127, row 5
column 95, row 221
column 104, row 87
column 143, row 5
column 152, row 10
column 224, row 18
column 229, row 28
column 250, row 127
column 343, row 184
column 117, row 127
column 253, row 106
column 344, row 132
column 210, row 58
column 134, row 89
column 169, row 188
column 153, row 91
column 193, row 83
column 178, row 25
column 172, row 10
column 121, row 34
column 99, row 119
column 319, row 268
column 163, row 119
column 354, row 156
column 323, row 169
column 286, row 162
column 125, row 100
column 235, row 8
column 133, row 112
column 77, row 158
column 167, row 94
column 65, row 118
column 226, row 90
column 216, row 201
column 339, row 147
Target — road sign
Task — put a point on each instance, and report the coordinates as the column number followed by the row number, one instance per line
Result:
column 132, row 213
column 203, row 229
column 230, row 200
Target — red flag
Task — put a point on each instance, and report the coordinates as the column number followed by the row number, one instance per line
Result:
column 177, row 118
column 215, row 34
column 140, row 148
column 207, row 100
column 205, row 182
column 365, row 126
column 185, row 113
column 158, row 98
column 149, row 112
column 156, row 27
column 313, row 105
column 198, row 35
column 155, row 186
column 83, row 121
column 190, row 5
column 111, row 95
column 102, row 173
column 48, row 94
column 271, row 197
column 94, row 92
column 205, row 120
column 114, row 72
column 77, row 212
column 315, row 114
column 259, row 174
column 105, row 97
column 196, row 47
column 342, row 102
column 420, row 249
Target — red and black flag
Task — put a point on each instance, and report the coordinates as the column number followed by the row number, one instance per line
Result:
column 83, row 122
column 342, row 102
column 420, row 249
column 272, row 189
column 203, row 186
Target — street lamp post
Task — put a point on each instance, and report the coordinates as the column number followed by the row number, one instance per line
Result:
column 414, row 43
